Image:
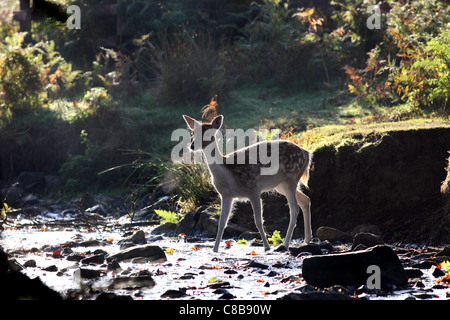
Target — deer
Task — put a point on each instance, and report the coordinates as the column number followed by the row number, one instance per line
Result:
column 244, row 181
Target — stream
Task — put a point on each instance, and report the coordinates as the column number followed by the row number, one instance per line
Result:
column 240, row 271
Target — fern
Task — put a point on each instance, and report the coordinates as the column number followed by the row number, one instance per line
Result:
column 169, row 216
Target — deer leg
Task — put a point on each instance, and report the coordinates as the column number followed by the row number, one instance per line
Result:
column 226, row 208
column 257, row 213
column 305, row 203
column 293, row 212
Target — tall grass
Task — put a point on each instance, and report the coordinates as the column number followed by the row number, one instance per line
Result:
column 189, row 67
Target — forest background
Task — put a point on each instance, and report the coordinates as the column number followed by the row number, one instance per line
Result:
column 97, row 105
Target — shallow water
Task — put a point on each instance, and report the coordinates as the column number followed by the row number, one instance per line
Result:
column 190, row 266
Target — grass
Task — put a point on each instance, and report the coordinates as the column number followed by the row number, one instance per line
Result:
column 314, row 118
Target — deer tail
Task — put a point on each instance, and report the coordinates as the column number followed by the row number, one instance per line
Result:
column 305, row 177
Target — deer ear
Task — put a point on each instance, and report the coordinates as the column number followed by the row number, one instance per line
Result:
column 217, row 122
column 190, row 122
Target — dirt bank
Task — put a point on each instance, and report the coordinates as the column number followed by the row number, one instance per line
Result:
column 391, row 179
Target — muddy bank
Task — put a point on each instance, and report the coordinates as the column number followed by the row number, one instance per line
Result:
column 392, row 180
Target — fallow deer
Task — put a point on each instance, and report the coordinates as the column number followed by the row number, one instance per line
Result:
column 234, row 180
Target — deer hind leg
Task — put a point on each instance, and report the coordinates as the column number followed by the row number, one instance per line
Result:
column 305, row 203
column 257, row 213
column 226, row 209
column 288, row 190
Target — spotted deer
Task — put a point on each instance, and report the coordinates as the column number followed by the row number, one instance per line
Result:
column 234, row 180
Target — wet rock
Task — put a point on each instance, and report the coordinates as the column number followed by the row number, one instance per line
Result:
column 90, row 243
column 107, row 296
column 316, row 296
column 131, row 283
column 220, row 284
column 29, row 200
column 30, row 179
column 436, row 272
column 312, row 248
column 367, row 240
column 95, row 259
column 88, row 273
column 332, row 234
column 15, row 285
column 444, row 252
column 137, row 238
column 413, row 273
column 30, row 264
column 366, row 228
column 166, row 228
column 350, row 268
column 204, row 223
column 51, row 268
column 11, row 195
column 254, row 264
column 173, row 294
column 153, row 253
column 75, row 257
column 52, row 182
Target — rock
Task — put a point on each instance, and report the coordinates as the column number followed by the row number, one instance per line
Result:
column 30, row 263
column 98, row 209
column 107, row 296
column 316, row 296
column 95, row 259
column 436, row 272
column 52, row 182
column 131, row 283
column 165, row 228
column 444, row 252
column 367, row 240
column 30, row 180
column 153, row 253
column 254, row 264
column 15, row 285
column 332, row 234
column 11, row 195
column 312, row 248
column 51, row 268
column 87, row 201
column 173, row 294
column 369, row 228
column 88, row 273
column 30, row 200
column 350, row 268
column 204, row 223
column 137, row 238
column 413, row 273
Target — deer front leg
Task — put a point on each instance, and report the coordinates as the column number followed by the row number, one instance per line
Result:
column 226, row 208
column 257, row 213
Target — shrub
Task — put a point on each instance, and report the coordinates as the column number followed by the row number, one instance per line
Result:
column 31, row 75
column 189, row 67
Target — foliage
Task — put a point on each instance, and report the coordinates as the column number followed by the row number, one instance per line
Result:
column 190, row 182
column 424, row 80
column 168, row 216
column 275, row 239
column 410, row 64
column 31, row 75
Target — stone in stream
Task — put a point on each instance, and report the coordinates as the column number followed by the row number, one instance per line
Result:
column 332, row 234
column 131, row 283
column 153, row 253
column 351, row 268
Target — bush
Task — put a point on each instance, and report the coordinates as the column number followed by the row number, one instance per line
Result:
column 411, row 63
column 31, row 75
column 189, row 67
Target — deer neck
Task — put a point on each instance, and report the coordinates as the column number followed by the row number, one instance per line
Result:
column 213, row 156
